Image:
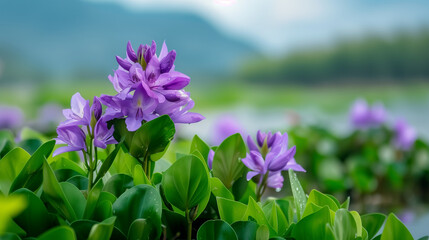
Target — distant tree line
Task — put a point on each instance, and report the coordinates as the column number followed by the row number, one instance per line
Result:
column 402, row 56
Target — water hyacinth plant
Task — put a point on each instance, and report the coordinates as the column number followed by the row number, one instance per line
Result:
column 127, row 187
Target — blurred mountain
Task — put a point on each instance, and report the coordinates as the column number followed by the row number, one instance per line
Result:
column 402, row 56
column 80, row 39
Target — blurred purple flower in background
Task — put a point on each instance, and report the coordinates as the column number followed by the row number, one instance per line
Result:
column 11, row 117
column 49, row 116
column 270, row 158
column 226, row 126
column 364, row 116
column 71, row 135
column 405, row 135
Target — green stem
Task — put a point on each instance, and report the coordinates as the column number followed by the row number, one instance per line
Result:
column 261, row 187
column 189, row 224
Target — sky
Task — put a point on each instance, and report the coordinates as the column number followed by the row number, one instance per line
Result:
column 278, row 26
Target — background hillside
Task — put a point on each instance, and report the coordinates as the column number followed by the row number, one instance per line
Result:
column 75, row 39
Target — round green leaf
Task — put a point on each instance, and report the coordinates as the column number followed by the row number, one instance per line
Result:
column 117, row 184
column 63, row 232
column 186, row 183
column 142, row 201
column 216, row 230
column 35, row 210
column 152, row 137
column 227, row 165
column 83, row 228
column 140, row 229
column 103, row 230
column 394, row 229
column 245, row 230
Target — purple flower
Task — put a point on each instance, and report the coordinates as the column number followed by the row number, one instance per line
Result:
column 148, row 87
column 71, row 135
column 272, row 157
column 10, row 117
column 405, row 135
column 179, row 110
column 224, row 127
column 102, row 135
column 275, row 180
column 96, row 109
column 364, row 116
column 210, row 158
column 140, row 107
column 79, row 114
column 155, row 74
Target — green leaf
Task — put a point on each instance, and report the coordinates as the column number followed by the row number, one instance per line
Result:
column 54, row 194
column 107, row 163
column 298, row 194
column 199, row 145
column 358, row 221
column 219, row 190
column 176, row 224
column 142, row 201
column 186, row 183
column 227, row 165
column 30, row 145
column 104, row 207
column 92, row 200
column 124, row 163
column 275, row 217
column 262, row 233
column 321, row 200
column 64, row 163
column 140, row 229
column 103, row 230
column 83, row 228
column 140, row 177
column 255, row 211
column 79, row 181
column 35, row 210
column 216, row 230
column 9, row 236
column 344, row 225
column 313, row 226
column 75, row 198
column 31, row 175
column 395, row 229
column 152, row 137
column 346, row 203
column 286, row 209
column 117, row 184
column 10, row 166
column 62, row 232
column 121, row 133
column 229, row 210
column 245, row 230
column 372, row 222
column 7, row 142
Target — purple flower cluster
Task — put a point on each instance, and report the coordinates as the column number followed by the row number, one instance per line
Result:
column 148, row 86
column 269, row 157
column 364, row 116
column 405, row 135
column 83, row 116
